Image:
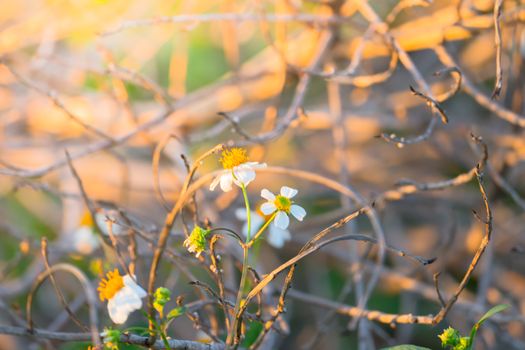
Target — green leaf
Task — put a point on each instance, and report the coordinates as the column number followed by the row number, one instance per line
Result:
column 488, row 314
column 176, row 312
column 491, row 312
column 254, row 329
column 406, row 347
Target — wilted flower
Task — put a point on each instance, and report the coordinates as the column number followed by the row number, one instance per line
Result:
column 237, row 169
column 283, row 205
column 196, row 242
column 276, row 236
column 123, row 295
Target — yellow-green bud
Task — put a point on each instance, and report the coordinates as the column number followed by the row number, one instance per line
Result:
column 111, row 338
column 196, row 242
column 450, row 337
column 161, row 297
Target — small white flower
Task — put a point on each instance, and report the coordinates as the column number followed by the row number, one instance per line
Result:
column 276, row 236
column 237, row 170
column 123, row 295
column 84, row 240
column 283, row 205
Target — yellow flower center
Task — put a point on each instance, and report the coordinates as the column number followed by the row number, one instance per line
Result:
column 110, row 285
column 233, row 157
column 282, row 203
column 86, row 220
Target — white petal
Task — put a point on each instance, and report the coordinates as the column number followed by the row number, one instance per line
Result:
column 226, row 182
column 84, row 240
column 117, row 229
column 106, row 218
column 288, row 192
column 243, row 175
column 277, row 237
column 267, row 195
column 240, row 213
column 124, row 302
column 282, row 220
column 268, row 207
column 254, row 165
column 100, row 219
column 215, row 182
column 129, row 282
column 257, row 222
column 298, row 212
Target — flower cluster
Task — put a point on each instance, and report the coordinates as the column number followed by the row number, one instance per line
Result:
column 238, row 170
column 124, row 295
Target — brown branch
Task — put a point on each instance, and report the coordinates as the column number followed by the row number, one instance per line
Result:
column 483, row 100
column 60, row 295
column 314, row 245
column 268, row 325
column 126, row 338
column 168, row 224
column 232, row 17
column 352, row 311
column 475, row 260
column 53, row 96
column 498, row 5
column 86, row 286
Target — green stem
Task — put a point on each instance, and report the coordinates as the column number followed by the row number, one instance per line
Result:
column 261, row 230
column 248, row 212
column 244, row 273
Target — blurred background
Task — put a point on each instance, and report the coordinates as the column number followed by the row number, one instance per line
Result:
column 126, row 87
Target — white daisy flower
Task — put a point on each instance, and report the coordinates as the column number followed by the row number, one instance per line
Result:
column 276, row 236
column 283, row 205
column 85, row 240
column 237, row 169
column 123, row 294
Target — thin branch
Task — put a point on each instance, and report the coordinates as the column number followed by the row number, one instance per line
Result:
column 352, row 311
column 498, row 5
column 87, row 288
column 475, row 260
column 485, row 101
column 126, row 338
column 53, row 96
column 168, row 224
column 58, row 292
column 233, row 17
